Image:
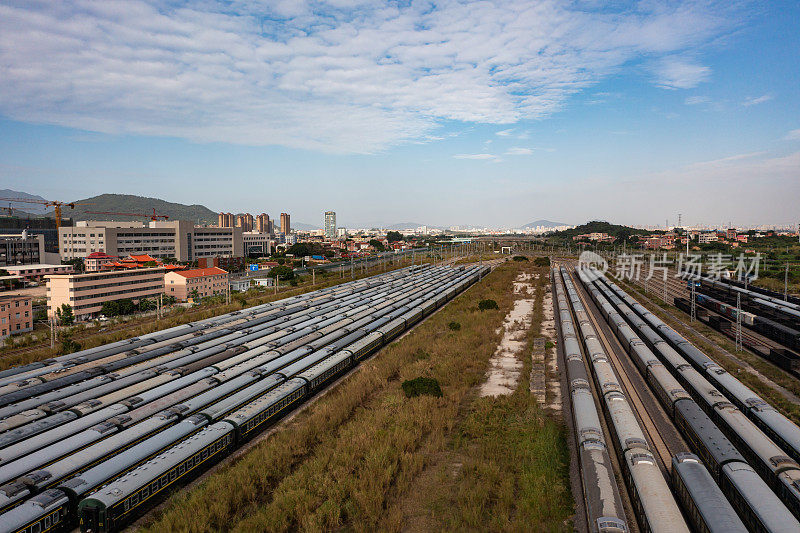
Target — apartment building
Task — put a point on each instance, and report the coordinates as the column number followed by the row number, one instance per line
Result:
column 206, row 282
column 16, row 315
column 179, row 239
column 86, row 293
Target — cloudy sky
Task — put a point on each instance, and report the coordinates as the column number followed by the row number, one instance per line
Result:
column 454, row 112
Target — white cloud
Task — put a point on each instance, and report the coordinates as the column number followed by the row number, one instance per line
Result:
column 475, row 156
column 793, row 135
column 343, row 76
column 678, row 73
column 519, row 151
column 504, row 133
column 697, row 100
column 753, row 100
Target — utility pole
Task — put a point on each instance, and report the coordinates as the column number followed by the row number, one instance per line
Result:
column 665, row 287
column 276, row 284
column 313, row 276
column 53, row 332
column 786, row 284
column 694, row 302
column 738, row 322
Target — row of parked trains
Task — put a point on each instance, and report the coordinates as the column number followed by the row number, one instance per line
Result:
column 773, row 318
column 98, row 456
column 748, row 448
column 654, row 505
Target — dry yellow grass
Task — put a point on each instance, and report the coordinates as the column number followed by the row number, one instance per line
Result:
column 351, row 457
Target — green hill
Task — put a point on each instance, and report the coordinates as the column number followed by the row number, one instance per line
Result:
column 599, row 226
column 128, row 203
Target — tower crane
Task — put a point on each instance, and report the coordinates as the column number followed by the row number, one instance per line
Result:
column 56, row 205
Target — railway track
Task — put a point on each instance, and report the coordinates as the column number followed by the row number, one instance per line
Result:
column 652, row 418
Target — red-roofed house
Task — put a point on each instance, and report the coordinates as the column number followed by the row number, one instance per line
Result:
column 97, row 261
column 206, row 281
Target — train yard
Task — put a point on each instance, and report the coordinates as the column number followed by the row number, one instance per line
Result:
column 711, row 455
column 95, row 438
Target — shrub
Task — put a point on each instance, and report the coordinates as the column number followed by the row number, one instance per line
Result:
column 455, row 326
column 520, row 258
column 68, row 345
column 542, row 262
column 420, row 386
column 487, row 304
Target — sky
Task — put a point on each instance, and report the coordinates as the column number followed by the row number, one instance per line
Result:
column 491, row 113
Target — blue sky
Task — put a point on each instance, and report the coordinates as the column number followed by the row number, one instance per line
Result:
column 488, row 113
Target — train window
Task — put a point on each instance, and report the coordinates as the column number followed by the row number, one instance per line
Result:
column 36, row 528
column 126, row 505
column 145, row 492
column 135, row 499
column 172, row 474
column 46, row 522
column 181, row 468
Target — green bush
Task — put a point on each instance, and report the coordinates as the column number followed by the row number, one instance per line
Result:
column 542, row 262
column 483, row 305
column 420, row 386
column 455, row 326
column 520, row 258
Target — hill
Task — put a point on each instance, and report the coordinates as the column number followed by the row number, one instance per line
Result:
column 302, row 226
column 128, row 203
column 599, row 226
column 544, row 223
column 22, row 209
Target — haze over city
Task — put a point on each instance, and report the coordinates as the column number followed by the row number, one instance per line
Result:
column 448, row 113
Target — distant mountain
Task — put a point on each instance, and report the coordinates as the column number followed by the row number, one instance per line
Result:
column 128, row 203
column 543, row 223
column 22, row 208
column 303, row 227
column 405, row 225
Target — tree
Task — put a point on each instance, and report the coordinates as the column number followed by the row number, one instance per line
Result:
column 282, row 272
column 77, row 264
column 146, row 304
column 394, row 236
column 65, row 315
column 194, row 295
column 110, row 308
column 378, row 245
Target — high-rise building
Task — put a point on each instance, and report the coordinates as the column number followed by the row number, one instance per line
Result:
column 262, row 223
column 286, row 227
column 245, row 221
column 225, row 220
column 271, row 227
column 330, row 225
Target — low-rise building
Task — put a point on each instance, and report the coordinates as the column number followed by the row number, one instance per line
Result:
column 16, row 315
column 95, row 261
column 38, row 271
column 196, row 283
column 86, row 293
column 240, row 285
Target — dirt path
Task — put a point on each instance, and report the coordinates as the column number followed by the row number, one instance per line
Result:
column 506, row 363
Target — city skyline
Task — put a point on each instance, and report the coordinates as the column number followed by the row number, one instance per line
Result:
column 501, row 113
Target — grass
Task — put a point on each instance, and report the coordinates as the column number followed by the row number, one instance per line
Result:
column 507, row 467
column 356, row 458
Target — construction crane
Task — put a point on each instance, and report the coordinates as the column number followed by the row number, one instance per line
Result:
column 152, row 217
column 47, row 203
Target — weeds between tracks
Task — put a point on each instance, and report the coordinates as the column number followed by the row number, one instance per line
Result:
column 356, row 457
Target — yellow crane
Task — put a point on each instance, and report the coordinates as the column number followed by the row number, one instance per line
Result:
column 47, row 203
